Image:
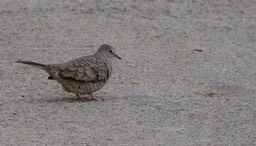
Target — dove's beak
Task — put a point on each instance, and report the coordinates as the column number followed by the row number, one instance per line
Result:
column 118, row 57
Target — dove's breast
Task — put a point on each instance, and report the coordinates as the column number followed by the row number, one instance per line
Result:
column 79, row 87
column 82, row 88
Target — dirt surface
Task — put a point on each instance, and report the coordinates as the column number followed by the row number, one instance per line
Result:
column 187, row 74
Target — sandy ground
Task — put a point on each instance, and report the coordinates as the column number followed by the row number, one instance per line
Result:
column 187, row 74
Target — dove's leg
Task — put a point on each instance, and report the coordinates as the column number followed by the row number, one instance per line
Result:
column 93, row 97
column 78, row 97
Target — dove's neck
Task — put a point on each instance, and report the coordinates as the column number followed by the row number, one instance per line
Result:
column 102, row 57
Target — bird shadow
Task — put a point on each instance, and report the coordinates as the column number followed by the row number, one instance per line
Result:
column 62, row 100
column 72, row 99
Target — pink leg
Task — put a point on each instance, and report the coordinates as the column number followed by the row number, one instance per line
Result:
column 93, row 97
column 78, row 97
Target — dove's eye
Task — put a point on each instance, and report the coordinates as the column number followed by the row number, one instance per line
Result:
column 110, row 51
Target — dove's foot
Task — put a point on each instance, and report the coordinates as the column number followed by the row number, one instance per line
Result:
column 93, row 97
column 78, row 97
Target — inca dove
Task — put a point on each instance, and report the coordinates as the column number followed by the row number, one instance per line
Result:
column 83, row 75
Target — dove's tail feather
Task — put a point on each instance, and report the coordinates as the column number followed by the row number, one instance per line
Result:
column 34, row 64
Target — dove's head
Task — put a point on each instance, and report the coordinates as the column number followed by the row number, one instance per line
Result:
column 107, row 51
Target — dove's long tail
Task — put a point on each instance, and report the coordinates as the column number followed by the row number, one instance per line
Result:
column 34, row 64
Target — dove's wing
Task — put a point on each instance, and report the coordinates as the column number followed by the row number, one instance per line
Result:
column 87, row 69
